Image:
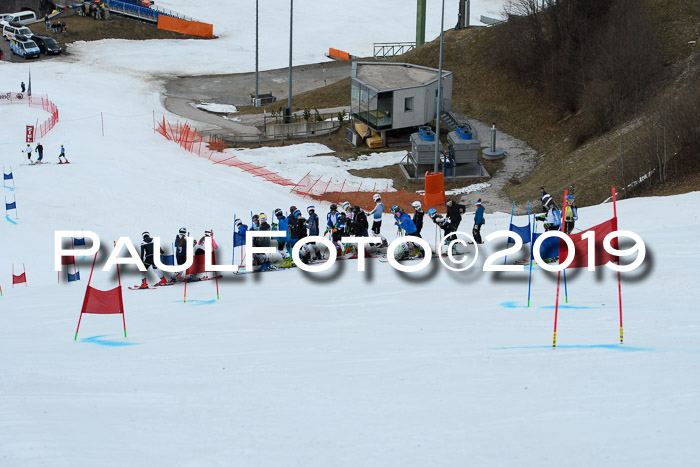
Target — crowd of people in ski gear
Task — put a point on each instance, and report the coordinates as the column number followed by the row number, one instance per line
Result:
column 346, row 220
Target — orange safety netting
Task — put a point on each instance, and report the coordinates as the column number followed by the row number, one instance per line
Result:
column 50, row 107
column 36, row 102
column 212, row 149
column 337, row 192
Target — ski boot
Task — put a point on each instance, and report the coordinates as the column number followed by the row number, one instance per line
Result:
column 144, row 284
column 163, row 281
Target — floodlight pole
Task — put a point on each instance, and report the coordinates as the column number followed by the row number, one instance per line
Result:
column 439, row 95
column 291, row 15
column 255, row 104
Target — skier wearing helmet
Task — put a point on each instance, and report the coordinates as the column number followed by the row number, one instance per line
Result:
column 358, row 224
column 332, row 219
column 570, row 215
column 404, row 221
column 454, row 212
column 312, row 221
column 478, row 222
column 418, row 217
column 148, row 262
column 377, row 214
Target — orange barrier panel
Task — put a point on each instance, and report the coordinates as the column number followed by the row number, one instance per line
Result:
column 434, row 189
column 193, row 28
column 338, row 54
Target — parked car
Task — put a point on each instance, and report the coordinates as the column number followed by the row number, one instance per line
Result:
column 46, row 44
column 24, row 47
column 22, row 17
column 9, row 32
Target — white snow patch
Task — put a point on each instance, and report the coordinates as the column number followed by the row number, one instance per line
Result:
column 216, row 108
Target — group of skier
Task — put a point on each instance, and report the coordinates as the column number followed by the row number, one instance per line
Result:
column 39, row 149
column 351, row 221
column 552, row 215
column 179, row 256
column 347, row 221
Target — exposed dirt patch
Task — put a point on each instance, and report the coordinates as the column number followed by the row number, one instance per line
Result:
column 81, row 28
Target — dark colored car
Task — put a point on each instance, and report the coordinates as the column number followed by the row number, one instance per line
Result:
column 47, row 45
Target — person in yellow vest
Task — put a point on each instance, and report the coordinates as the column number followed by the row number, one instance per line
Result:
column 570, row 215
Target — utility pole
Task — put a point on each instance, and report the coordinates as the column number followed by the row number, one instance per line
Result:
column 439, row 96
column 420, row 23
column 255, row 104
column 289, row 100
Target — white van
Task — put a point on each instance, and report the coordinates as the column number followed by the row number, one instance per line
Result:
column 9, row 32
column 23, row 17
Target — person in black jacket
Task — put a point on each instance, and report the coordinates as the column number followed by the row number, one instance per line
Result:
column 263, row 226
column 358, row 225
column 545, row 199
column 147, row 259
column 181, row 246
column 417, row 218
column 454, row 213
column 298, row 229
column 291, row 224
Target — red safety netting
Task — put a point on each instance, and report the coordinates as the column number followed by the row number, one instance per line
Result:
column 50, row 107
column 42, row 102
column 212, row 149
column 361, row 195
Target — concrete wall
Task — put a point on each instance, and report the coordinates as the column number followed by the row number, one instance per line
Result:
column 40, row 7
column 301, row 129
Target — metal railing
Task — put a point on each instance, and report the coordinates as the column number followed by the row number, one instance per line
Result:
column 392, row 49
column 141, row 12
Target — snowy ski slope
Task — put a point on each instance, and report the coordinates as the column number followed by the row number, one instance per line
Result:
column 345, row 368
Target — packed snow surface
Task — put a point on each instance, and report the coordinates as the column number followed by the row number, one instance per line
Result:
column 343, row 368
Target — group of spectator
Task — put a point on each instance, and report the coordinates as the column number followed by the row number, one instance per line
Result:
column 55, row 27
column 95, row 10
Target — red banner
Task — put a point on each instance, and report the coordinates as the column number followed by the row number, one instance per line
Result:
column 601, row 257
column 21, row 279
column 30, row 133
column 103, row 302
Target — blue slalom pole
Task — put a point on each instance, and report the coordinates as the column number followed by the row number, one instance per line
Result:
column 511, row 223
column 566, row 294
column 532, row 245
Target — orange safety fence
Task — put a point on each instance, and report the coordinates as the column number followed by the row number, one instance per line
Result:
column 37, row 102
column 212, row 149
column 193, row 28
column 338, row 54
column 339, row 192
column 51, row 108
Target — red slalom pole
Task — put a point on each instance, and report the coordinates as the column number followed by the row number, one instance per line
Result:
column 556, row 306
column 216, row 275
column 619, row 285
column 87, row 291
column 121, row 299
column 184, row 298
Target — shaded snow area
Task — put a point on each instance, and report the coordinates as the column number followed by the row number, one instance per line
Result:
column 216, row 108
column 344, row 368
